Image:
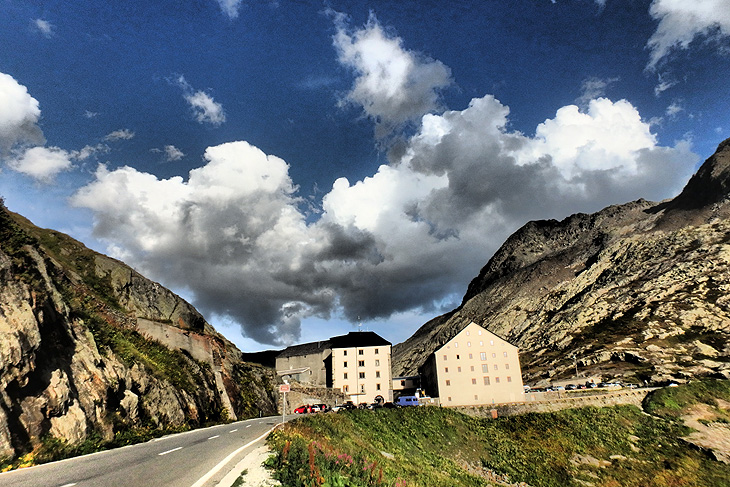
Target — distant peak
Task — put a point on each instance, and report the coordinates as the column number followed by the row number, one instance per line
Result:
column 711, row 183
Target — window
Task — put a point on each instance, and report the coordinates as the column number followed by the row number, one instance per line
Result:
column 472, row 368
column 446, row 369
column 474, row 381
column 485, row 367
column 476, row 398
column 345, row 375
column 467, row 333
column 457, row 357
column 495, row 367
column 361, row 352
column 345, row 388
column 481, row 343
column 403, row 383
column 377, row 363
column 362, row 375
column 444, row 358
column 458, row 369
column 494, row 355
column 506, row 366
column 448, row 382
column 377, row 374
column 509, row 379
column 377, row 387
column 496, row 379
column 471, row 356
column 361, row 363
column 377, row 351
column 483, row 355
column 449, row 398
column 486, row 381
column 345, row 364
column 505, row 354
column 468, row 344
column 491, row 342
column 362, row 387
column 480, row 332
column 344, row 352
column 456, row 345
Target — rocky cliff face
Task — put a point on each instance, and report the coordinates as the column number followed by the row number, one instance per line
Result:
column 640, row 291
column 89, row 347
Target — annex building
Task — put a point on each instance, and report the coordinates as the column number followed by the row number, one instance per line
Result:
column 475, row 367
column 357, row 363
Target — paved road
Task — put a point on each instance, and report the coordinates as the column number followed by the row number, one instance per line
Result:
column 198, row 458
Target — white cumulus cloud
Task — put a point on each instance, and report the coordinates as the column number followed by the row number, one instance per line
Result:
column 230, row 7
column 681, row 21
column 42, row 163
column 19, row 115
column 392, row 84
column 205, row 108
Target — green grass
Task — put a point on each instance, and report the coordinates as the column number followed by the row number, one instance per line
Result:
column 673, row 402
column 433, row 447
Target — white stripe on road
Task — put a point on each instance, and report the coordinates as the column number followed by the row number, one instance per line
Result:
column 69, row 485
column 216, row 436
column 233, row 431
column 230, row 457
column 248, row 426
column 170, row 451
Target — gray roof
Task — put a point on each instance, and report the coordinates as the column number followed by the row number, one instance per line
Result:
column 351, row 340
column 305, row 349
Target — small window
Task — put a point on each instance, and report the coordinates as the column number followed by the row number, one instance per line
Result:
column 448, row 382
column 457, row 357
column 344, row 352
column 403, row 383
column 472, row 368
column 345, row 375
column 458, row 369
column 362, row 375
column 483, row 355
column 361, row 352
column 495, row 367
column 468, row 344
column 496, row 379
column 480, row 332
column 345, row 388
column 505, row 354
column 476, row 397
column 377, row 351
column 377, row 363
column 467, row 333
column 474, row 381
column 485, row 367
column 471, row 356
column 361, row 363
column 494, row 355
column 491, row 342
column 444, row 357
column 481, row 343
column 362, row 387
column 446, row 369
column 456, row 344
column 509, row 379
column 377, row 374
column 449, row 398
column 486, row 381
column 506, row 366
column 344, row 364
column 377, row 387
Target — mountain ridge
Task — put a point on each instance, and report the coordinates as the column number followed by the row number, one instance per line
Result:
column 635, row 291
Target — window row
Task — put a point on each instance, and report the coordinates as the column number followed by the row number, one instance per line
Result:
column 361, row 375
column 485, row 379
column 346, row 388
column 482, row 356
column 361, row 352
column 361, row 363
column 485, row 368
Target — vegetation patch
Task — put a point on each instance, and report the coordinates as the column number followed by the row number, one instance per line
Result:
column 429, row 446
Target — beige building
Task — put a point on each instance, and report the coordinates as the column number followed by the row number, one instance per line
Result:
column 357, row 363
column 475, row 367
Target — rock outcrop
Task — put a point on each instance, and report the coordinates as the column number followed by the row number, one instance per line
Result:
column 90, row 348
column 640, row 290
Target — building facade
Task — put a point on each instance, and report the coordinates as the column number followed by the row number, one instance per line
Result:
column 357, row 363
column 474, row 368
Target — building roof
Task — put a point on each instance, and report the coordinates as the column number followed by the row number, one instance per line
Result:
column 305, row 349
column 358, row 339
column 351, row 340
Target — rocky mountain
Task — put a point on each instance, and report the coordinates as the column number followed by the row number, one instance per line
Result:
column 639, row 291
column 89, row 348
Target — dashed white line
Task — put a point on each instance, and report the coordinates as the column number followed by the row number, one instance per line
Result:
column 170, row 451
column 233, row 431
column 248, row 426
column 69, row 485
column 216, row 436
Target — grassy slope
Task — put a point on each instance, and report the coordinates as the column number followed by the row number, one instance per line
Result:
column 618, row 446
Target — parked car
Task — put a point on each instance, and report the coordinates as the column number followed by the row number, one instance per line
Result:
column 404, row 401
column 301, row 410
column 571, row 387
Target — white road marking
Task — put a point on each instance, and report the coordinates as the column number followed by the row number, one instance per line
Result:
column 248, row 426
column 170, row 451
column 68, row 485
column 233, row 431
column 222, row 463
column 216, row 436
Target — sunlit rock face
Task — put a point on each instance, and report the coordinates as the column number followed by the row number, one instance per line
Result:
column 89, row 347
column 638, row 291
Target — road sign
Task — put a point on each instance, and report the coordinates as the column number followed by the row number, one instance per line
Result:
column 284, row 388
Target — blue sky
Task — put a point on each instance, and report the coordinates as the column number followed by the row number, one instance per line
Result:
column 296, row 167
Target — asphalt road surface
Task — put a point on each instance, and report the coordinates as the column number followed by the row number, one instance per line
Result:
column 198, row 458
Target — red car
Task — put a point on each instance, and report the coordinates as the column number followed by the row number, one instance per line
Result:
column 301, row 410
